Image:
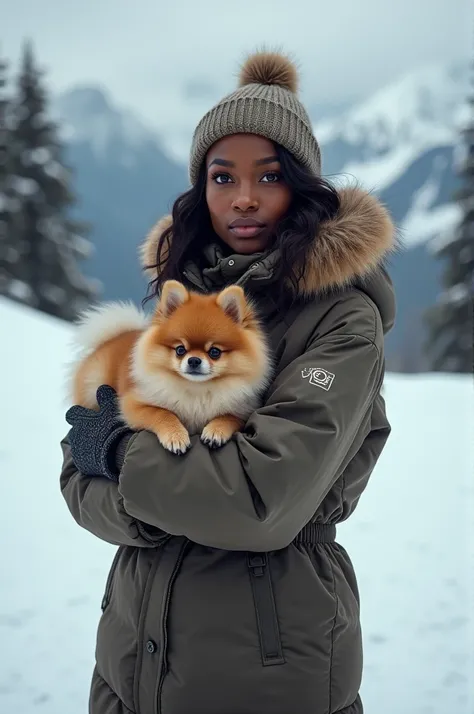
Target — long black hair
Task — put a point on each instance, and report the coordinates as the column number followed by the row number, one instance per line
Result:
column 313, row 200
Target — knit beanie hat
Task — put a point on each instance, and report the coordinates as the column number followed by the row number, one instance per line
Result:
column 266, row 104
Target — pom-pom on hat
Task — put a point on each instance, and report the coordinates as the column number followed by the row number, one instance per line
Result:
column 265, row 103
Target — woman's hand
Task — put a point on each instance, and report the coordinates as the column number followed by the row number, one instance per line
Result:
column 95, row 435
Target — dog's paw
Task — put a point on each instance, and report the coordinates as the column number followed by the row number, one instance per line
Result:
column 213, row 442
column 176, row 441
column 215, row 437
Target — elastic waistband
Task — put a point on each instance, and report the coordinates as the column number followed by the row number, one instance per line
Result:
column 315, row 533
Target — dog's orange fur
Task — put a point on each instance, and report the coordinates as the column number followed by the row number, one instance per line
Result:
column 166, row 425
column 112, row 360
column 197, row 322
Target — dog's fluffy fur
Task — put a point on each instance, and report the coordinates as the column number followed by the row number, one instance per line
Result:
column 137, row 356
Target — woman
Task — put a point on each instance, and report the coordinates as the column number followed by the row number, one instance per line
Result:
column 228, row 593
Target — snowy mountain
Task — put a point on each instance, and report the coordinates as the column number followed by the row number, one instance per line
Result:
column 400, row 142
column 415, row 612
column 403, row 144
column 124, row 181
column 88, row 115
column 417, row 112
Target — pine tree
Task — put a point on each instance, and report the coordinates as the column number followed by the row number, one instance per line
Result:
column 49, row 242
column 9, row 204
column 4, row 172
column 451, row 322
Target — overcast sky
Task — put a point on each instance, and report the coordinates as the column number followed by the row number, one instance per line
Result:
column 144, row 51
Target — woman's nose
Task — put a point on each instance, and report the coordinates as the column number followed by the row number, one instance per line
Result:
column 245, row 201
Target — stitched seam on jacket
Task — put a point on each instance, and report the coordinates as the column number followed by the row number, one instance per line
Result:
column 322, row 340
column 370, row 303
column 327, row 315
column 363, row 337
column 332, row 637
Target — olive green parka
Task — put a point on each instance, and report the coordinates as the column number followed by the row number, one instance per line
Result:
column 228, row 593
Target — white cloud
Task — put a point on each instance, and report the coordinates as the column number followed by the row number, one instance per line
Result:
column 145, row 51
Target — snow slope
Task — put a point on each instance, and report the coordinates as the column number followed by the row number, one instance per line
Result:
column 409, row 540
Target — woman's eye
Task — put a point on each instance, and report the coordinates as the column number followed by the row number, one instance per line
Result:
column 272, row 177
column 221, row 178
column 214, row 353
column 180, row 351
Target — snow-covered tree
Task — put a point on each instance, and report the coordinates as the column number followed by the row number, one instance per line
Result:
column 451, row 322
column 49, row 243
column 4, row 105
column 9, row 205
column 4, row 172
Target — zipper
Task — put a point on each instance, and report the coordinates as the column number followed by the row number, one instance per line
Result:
column 265, row 609
column 164, row 632
column 110, row 579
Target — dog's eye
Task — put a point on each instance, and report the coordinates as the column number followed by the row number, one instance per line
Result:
column 180, row 351
column 214, row 353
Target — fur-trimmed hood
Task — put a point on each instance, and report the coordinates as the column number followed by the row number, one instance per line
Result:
column 347, row 247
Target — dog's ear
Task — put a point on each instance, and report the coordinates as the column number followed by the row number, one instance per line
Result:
column 173, row 295
column 232, row 301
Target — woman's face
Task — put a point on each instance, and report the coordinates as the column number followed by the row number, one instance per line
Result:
column 245, row 192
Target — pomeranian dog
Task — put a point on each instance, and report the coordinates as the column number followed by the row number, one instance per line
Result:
column 199, row 365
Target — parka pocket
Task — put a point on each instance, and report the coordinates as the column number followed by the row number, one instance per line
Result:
column 110, row 579
column 265, row 609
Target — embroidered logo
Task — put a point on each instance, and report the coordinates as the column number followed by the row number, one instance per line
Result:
column 319, row 377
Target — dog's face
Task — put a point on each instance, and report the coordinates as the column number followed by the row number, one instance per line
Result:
column 195, row 359
column 203, row 337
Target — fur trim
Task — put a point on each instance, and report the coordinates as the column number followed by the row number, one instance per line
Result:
column 269, row 68
column 149, row 247
column 349, row 246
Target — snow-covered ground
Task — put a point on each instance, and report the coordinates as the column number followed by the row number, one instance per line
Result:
column 409, row 539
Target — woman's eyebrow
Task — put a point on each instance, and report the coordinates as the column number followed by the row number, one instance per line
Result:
column 221, row 162
column 267, row 160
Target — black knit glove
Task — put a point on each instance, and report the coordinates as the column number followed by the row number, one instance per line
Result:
column 95, row 435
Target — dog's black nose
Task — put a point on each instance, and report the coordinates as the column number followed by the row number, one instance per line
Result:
column 194, row 362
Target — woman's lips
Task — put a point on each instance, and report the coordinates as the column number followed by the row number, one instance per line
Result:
column 247, row 231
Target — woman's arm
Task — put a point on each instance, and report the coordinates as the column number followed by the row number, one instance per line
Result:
column 260, row 490
column 97, row 506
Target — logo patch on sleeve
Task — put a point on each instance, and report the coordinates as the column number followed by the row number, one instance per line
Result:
column 319, row 377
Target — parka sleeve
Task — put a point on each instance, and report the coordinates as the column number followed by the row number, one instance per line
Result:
column 264, row 486
column 96, row 505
